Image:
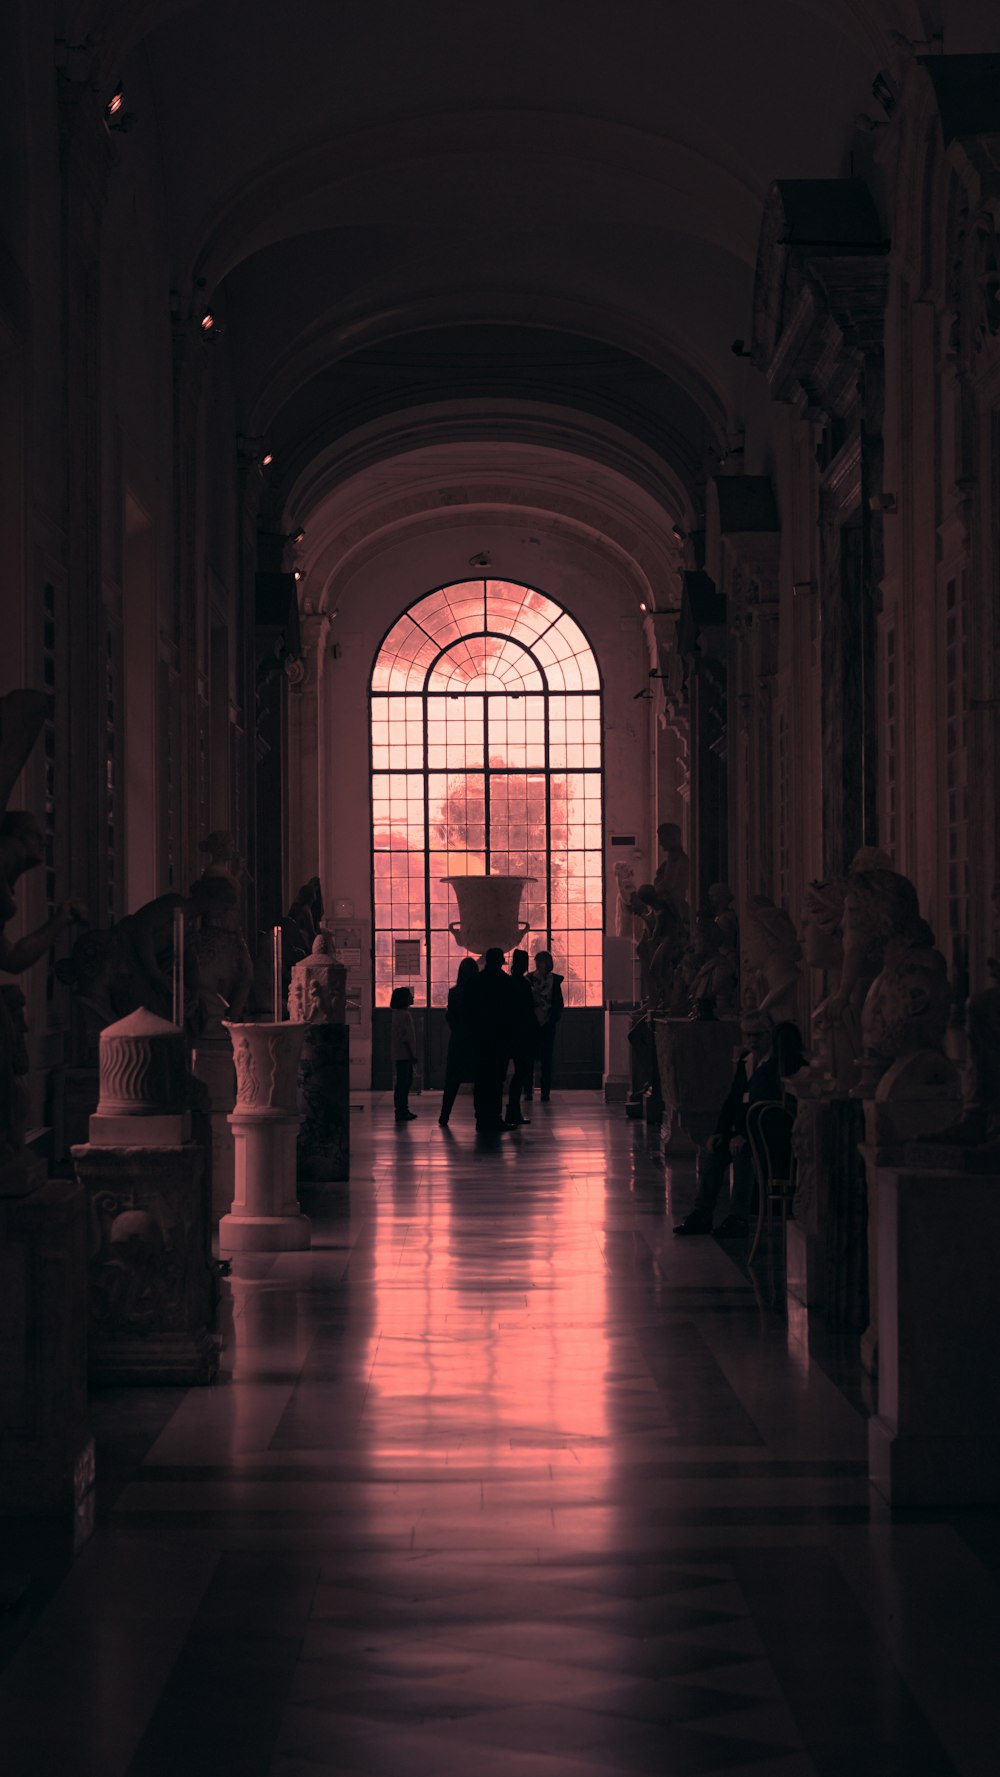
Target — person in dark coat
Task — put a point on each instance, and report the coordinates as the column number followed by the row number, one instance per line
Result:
column 547, row 998
column 525, row 1028
column 769, row 1056
column 459, row 1065
column 492, row 1009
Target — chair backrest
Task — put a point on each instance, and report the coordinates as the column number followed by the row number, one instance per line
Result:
column 769, row 1132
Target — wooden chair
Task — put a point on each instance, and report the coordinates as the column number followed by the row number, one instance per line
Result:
column 769, row 1134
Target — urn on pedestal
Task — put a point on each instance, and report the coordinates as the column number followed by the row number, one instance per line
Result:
column 489, row 912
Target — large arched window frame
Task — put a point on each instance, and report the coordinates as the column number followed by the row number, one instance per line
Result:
column 486, row 758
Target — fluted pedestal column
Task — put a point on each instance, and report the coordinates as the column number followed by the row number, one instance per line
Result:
column 265, row 1216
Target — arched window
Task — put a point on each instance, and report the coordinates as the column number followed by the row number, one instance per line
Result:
column 486, row 760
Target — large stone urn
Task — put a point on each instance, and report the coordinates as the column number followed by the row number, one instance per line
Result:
column 265, row 1216
column 489, row 910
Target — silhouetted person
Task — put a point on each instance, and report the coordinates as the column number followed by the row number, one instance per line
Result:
column 492, row 1004
column 404, row 1051
column 524, row 1037
column 547, row 999
column 460, row 1062
column 770, row 1054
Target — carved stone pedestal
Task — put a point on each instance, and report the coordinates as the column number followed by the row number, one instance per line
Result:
column 936, row 1440
column 265, row 1216
column 46, row 1450
column 618, row 1074
column 826, row 1241
column 152, row 1290
column 324, row 1140
column 212, row 1064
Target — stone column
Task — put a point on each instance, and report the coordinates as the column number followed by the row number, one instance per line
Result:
column 152, row 1286
column 265, row 1216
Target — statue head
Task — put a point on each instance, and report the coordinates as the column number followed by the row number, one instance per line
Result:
column 323, row 943
column 669, row 835
column 881, row 904
column 768, row 930
column 823, row 924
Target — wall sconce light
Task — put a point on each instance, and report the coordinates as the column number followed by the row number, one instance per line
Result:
column 115, row 115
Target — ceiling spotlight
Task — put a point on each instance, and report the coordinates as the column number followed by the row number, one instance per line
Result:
column 642, row 606
column 739, row 349
column 298, row 573
column 267, row 459
column 115, row 115
column 208, row 322
column 679, row 535
column 299, row 537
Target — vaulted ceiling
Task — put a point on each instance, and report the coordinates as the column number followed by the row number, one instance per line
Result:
column 545, row 213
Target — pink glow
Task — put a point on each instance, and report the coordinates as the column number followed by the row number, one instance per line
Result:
column 478, row 658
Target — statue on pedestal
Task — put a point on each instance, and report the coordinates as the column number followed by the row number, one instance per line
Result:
column 771, row 952
column 217, row 967
column 673, row 875
column 904, row 1018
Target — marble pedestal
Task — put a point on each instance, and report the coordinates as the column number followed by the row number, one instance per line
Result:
column 618, row 1055
column 152, row 1287
column 695, row 1061
column 212, row 1064
column 936, row 1440
column 324, row 1097
column 46, row 1450
column 265, row 1216
column 827, row 1239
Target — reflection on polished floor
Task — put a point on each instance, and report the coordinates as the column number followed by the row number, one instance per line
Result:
column 503, row 1481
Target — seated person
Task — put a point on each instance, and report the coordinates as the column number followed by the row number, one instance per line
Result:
column 769, row 1056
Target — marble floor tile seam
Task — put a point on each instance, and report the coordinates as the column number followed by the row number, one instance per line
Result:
column 264, row 1464
column 450, row 1493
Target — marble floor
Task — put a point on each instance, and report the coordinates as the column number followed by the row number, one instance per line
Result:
column 501, row 1480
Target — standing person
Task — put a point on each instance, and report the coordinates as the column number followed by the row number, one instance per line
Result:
column 404, row 1051
column 459, row 1065
column 547, row 998
column 492, row 1007
column 524, row 1038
